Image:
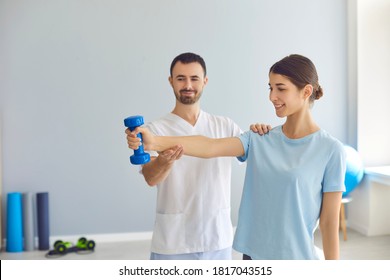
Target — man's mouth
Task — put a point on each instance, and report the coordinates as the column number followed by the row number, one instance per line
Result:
column 187, row 92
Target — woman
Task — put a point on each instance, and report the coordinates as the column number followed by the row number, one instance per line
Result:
column 294, row 176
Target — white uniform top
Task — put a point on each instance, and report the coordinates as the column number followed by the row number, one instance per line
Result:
column 193, row 202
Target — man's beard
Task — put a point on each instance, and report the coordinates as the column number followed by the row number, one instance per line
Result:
column 188, row 100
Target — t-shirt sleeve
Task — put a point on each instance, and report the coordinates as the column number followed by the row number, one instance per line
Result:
column 245, row 141
column 335, row 170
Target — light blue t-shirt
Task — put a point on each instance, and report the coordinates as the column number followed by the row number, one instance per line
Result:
column 284, row 183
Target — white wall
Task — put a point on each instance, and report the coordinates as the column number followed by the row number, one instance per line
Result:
column 373, row 72
column 369, row 72
column 71, row 71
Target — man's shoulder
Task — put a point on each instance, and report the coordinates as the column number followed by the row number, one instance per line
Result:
column 158, row 126
column 160, row 121
column 217, row 118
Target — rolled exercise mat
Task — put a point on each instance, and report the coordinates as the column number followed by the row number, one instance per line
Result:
column 43, row 220
column 14, row 222
column 28, row 221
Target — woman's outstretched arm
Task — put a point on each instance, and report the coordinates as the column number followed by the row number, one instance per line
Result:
column 197, row 146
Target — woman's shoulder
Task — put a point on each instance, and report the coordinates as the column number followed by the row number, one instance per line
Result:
column 331, row 140
column 275, row 130
column 254, row 136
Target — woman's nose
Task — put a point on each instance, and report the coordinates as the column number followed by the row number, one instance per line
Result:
column 272, row 96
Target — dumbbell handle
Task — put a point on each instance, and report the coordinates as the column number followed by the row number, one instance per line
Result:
column 140, row 148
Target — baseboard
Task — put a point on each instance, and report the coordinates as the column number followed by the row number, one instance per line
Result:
column 99, row 238
column 359, row 228
column 107, row 237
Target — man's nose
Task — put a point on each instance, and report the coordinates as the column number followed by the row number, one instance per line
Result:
column 188, row 84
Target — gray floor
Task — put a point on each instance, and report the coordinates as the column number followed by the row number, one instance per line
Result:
column 357, row 247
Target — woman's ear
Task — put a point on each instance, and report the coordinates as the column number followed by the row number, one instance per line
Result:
column 307, row 91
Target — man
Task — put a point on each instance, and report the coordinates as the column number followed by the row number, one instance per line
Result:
column 193, row 195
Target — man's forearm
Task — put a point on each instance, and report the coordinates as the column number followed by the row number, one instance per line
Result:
column 156, row 171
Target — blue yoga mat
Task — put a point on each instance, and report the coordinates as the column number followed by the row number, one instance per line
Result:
column 43, row 220
column 14, row 222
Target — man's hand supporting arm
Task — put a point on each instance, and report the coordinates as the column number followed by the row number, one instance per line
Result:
column 159, row 167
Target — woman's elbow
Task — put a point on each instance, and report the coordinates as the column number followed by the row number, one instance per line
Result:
column 329, row 224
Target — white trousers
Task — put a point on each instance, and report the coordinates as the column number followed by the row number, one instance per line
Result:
column 224, row 254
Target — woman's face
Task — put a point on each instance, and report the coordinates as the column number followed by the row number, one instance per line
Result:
column 285, row 96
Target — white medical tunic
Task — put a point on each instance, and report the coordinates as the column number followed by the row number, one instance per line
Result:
column 193, row 202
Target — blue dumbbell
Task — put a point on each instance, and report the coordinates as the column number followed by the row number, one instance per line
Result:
column 139, row 157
